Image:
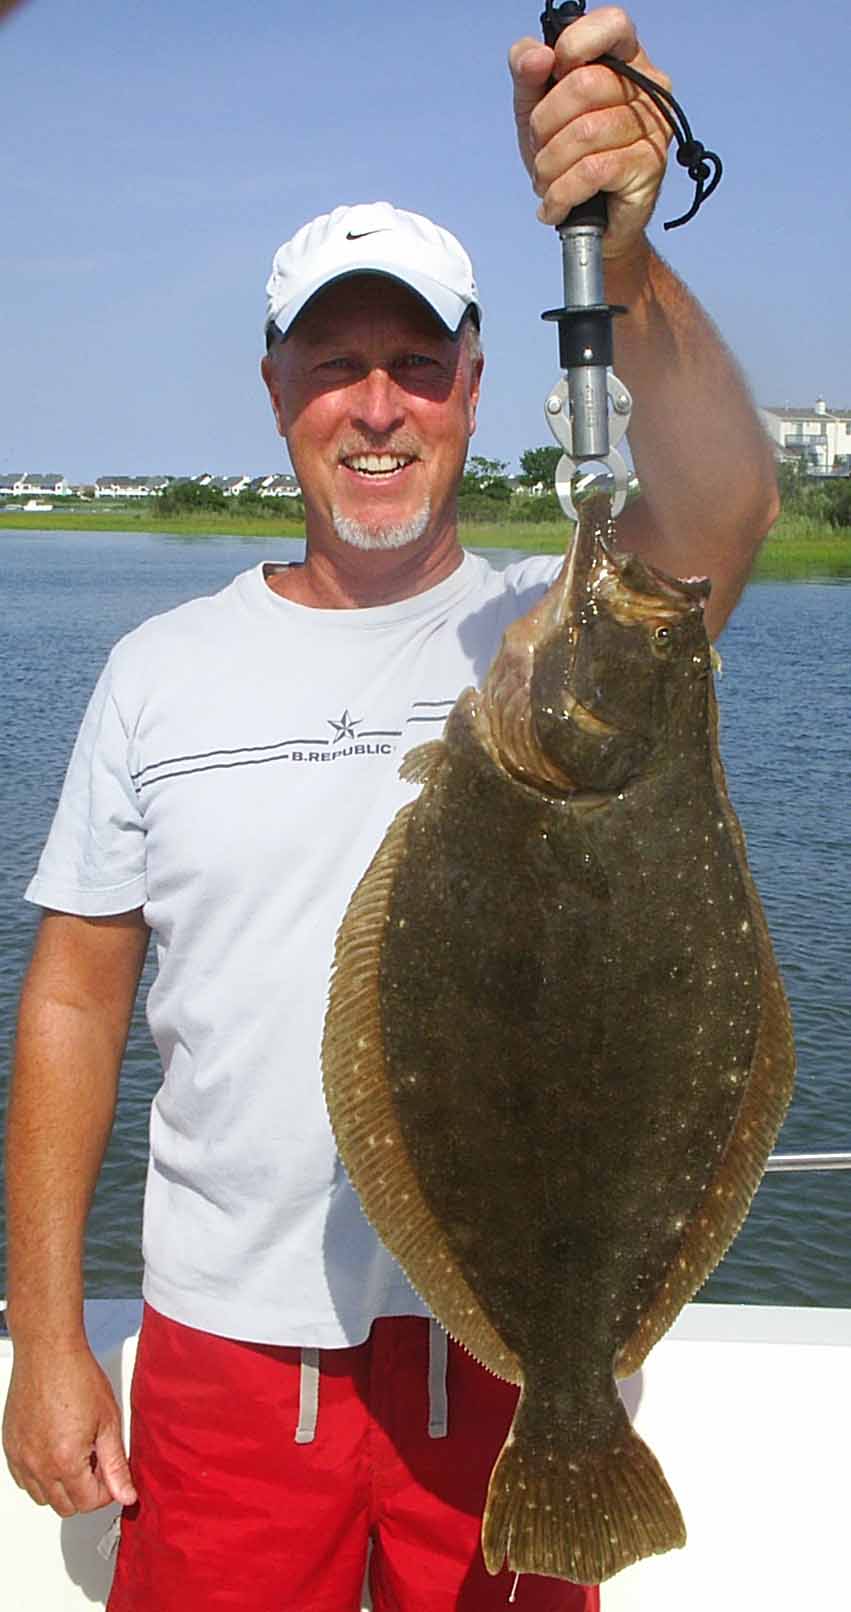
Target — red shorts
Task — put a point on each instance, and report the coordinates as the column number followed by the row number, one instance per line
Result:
column 236, row 1513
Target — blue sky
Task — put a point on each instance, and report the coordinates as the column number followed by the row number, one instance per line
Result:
column 153, row 154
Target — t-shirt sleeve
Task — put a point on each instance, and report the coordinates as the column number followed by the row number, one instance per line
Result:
column 94, row 860
column 526, row 581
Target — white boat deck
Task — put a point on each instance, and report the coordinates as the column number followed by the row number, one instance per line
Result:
column 748, row 1408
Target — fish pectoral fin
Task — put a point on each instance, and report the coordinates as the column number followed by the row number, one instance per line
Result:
column 577, row 1514
column 421, row 764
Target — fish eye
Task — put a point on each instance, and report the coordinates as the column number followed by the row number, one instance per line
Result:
column 662, row 635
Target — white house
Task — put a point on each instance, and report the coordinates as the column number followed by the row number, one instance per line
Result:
column 129, row 486
column 231, row 486
column 279, row 487
column 820, row 436
column 28, row 483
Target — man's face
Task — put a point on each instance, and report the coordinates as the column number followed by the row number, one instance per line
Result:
column 377, row 405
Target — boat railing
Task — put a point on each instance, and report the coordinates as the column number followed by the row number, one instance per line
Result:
column 807, row 1161
column 778, row 1164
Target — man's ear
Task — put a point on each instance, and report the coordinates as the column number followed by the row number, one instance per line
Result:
column 475, row 392
column 269, row 371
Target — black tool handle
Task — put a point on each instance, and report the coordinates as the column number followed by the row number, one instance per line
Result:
column 553, row 22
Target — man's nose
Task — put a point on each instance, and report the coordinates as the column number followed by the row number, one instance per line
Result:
column 378, row 404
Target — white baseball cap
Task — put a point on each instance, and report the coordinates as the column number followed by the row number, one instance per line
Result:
column 372, row 238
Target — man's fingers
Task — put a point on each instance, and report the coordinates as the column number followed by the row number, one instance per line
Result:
column 112, row 1466
column 588, row 89
column 30, row 1485
column 618, row 171
column 556, row 126
column 86, row 1489
column 59, row 1498
column 606, row 31
column 606, row 130
column 531, row 65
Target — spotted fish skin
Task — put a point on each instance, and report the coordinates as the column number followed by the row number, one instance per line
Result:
column 574, row 1046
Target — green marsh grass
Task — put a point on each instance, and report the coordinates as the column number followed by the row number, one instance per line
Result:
column 797, row 547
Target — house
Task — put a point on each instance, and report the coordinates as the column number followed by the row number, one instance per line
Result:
column 820, row 437
column 231, row 486
column 29, row 483
column 279, row 487
column 130, row 486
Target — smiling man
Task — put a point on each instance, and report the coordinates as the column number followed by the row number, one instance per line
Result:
column 236, row 770
column 373, row 370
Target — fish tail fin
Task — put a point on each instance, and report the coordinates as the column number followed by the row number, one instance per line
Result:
column 579, row 1516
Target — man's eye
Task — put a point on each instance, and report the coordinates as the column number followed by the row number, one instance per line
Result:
column 415, row 361
column 336, row 363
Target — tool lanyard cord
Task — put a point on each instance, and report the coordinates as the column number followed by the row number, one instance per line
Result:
column 704, row 167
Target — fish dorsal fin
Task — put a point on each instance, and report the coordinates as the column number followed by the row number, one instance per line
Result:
column 422, row 764
column 768, row 1091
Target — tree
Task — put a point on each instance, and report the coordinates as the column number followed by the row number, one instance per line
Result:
column 791, row 481
column 538, row 466
column 182, row 497
column 485, row 479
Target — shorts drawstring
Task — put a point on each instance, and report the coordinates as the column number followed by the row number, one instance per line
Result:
column 308, row 1397
column 438, row 1404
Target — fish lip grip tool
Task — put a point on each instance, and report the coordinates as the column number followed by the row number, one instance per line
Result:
column 589, row 409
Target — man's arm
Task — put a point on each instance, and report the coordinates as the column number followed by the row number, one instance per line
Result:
column 705, row 465
column 61, row 1431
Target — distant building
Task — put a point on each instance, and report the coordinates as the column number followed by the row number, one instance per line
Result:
column 130, row 486
column 277, row 486
column 231, row 486
column 820, row 437
column 22, row 485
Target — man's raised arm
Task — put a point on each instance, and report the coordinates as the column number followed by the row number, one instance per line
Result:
column 705, row 464
column 62, row 1433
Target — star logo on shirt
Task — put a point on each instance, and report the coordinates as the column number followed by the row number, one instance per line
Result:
column 345, row 728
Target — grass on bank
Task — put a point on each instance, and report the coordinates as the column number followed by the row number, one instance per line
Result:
column 798, row 546
column 132, row 518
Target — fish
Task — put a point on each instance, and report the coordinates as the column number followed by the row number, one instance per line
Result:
column 557, row 1049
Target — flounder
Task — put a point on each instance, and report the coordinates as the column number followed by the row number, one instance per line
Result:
column 557, row 1050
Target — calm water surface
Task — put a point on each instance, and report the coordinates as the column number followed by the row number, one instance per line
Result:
column 786, row 741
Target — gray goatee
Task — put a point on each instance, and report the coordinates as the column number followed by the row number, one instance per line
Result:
column 392, row 535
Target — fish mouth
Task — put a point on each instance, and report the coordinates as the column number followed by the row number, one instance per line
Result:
column 582, row 718
column 629, row 587
column 595, row 581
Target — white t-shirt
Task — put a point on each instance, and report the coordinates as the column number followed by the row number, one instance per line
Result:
column 233, row 776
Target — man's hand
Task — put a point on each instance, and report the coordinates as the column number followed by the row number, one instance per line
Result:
column 593, row 130
column 62, row 1432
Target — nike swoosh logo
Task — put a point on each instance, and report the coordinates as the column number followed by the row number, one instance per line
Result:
column 363, row 233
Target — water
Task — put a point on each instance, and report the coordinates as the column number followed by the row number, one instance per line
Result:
column 786, row 742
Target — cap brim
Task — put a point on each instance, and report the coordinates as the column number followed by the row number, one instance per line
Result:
column 449, row 309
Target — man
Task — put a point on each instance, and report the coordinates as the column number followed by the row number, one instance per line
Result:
column 234, row 773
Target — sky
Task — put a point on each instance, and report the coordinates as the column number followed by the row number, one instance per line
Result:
column 154, row 153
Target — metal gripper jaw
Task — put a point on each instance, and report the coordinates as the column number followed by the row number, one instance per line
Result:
column 614, row 405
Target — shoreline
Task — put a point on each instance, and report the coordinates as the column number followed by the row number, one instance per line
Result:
column 796, row 549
